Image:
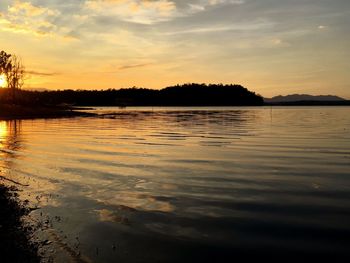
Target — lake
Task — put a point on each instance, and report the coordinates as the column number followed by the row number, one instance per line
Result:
column 185, row 184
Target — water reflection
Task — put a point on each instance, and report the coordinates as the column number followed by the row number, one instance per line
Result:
column 180, row 185
column 3, row 129
column 10, row 145
column 10, row 139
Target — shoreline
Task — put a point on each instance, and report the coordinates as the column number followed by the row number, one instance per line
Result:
column 19, row 112
column 15, row 243
column 13, row 112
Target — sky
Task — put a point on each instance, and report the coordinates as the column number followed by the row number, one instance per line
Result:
column 271, row 47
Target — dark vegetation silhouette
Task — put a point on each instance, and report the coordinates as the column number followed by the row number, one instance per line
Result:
column 180, row 95
column 12, row 68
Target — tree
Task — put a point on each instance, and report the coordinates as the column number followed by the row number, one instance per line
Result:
column 12, row 68
column 5, row 64
column 15, row 76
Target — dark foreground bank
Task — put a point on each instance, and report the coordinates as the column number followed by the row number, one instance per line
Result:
column 13, row 111
column 15, row 244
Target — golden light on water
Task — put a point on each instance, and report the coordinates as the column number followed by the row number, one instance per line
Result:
column 3, row 82
column 3, row 129
column 3, row 134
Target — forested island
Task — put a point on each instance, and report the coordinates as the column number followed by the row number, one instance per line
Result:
column 22, row 103
column 180, row 95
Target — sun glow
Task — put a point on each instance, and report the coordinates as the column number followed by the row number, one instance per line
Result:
column 2, row 81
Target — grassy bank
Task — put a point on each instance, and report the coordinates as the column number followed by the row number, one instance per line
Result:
column 15, row 244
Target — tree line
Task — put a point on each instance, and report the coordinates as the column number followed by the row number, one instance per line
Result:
column 191, row 94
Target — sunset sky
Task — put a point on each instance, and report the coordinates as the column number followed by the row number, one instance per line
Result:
column 269, row 46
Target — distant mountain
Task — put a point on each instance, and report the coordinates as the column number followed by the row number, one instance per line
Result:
column 303, row 97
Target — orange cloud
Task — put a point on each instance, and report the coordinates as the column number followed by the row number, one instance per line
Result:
column 24, row 17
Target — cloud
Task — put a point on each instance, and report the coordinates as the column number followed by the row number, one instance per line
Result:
column 75, row 20
column 259, row 25
column 38, row 73
column 150, row 12
column 322, row 27
column 24, row 17
column 202, row 5
column 27, row 9
column 178, row 39
column 136, row 11
column 134, row 66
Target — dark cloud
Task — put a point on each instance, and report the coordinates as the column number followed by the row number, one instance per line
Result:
column 38, row 73
column 134, row 66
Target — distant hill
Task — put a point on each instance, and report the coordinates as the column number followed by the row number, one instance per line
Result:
column 303, row 97
column 193, row 94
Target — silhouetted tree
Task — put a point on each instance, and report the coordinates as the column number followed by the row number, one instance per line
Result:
column 5, row 63
column 12, row 68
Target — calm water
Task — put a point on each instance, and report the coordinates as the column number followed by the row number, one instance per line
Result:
column 177, row 184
